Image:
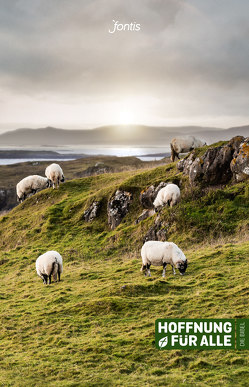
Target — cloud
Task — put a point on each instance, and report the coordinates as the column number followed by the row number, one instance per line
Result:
column 190, row 54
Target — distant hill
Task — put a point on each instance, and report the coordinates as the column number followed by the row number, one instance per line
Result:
column 115, row 135
column 33, row 155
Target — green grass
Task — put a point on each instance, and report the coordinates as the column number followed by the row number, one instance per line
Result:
column 96, row 327
column 11, row 174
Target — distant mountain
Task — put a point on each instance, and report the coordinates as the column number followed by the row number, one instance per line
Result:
column 115, row 135
column 37, row 154
column 211, row 136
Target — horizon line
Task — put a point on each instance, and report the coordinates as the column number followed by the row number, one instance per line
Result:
column 120, row 125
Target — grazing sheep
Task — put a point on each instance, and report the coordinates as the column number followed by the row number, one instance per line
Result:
column 183, row 145
column 49, row 264
column 167, row 195
column 30, row 185
column 55, row 174
column 160, row 254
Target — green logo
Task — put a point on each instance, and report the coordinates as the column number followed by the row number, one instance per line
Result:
column 202, row 333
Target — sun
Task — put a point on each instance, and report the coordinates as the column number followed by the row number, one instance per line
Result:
column 126, row 117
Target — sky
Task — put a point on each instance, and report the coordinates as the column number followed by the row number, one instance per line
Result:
column 60, row 66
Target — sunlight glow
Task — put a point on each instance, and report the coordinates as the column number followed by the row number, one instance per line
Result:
column 126, row 118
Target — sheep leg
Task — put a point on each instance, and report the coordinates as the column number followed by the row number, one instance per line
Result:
column 174, row 272
column 59, row 275
column 58, row 182
column 164, row 268
column 45, row 278
column 52, row 270
column 172, row 153
column 148, row 269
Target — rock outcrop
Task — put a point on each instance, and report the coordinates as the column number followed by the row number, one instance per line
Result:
column 157, row 232
column 145, row 214
column 92, row 212
column 240, row 162
column 148, row 196
column 118, row 207
column 219, row 164
column 7, row 199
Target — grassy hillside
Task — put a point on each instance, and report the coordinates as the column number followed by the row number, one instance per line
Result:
column 96, row 327
column 11, row 174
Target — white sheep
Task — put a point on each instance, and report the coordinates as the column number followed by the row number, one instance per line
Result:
column 30, row 185
column 167, row 195
column 160, row 254
column 55, row 174
column 184, row 144
column 49, row 264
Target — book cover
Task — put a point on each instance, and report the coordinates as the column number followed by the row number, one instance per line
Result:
column 124, row 192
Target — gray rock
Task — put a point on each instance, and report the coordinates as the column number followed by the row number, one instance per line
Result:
column 92, row 212
column 214, row 166
column 145, row 214
column 123, row 287
column 157, row 232
column 240, row 162
column 118, row 207
column 148, row 196
column 7, row 198
column 184, row 164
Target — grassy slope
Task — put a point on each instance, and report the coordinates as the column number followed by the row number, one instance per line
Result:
column 96, row 327
column 11, row 174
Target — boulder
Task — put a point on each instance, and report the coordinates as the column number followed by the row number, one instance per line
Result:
column 157, row 232
column 118, row 207
column 184, row 164
column 7, row 199
column 148, row 196
column 240, row 162
column 214, row 166
column 92, row 212
column 145, row 214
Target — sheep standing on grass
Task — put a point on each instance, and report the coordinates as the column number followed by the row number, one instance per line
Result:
column 183, row 145
column 167, row 195
column 55, row 174
column 30, row 185
column 160, row 254
column 48, row 265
